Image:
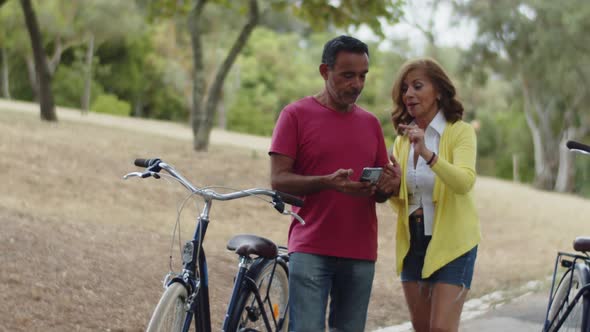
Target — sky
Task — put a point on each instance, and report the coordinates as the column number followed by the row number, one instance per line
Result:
column 448, row 30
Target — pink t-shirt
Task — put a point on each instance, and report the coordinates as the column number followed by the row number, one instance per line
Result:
column 321, row 141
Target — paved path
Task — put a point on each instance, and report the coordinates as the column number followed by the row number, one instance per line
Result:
column 523, row 314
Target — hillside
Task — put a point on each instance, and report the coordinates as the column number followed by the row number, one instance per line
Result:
column 84, row 250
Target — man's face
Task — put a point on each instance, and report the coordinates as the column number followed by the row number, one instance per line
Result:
column 345, row 81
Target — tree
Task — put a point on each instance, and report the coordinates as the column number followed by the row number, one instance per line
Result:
column 543, row 46
column 11, row 36
column 91, row 28
column 320, row 14
column 41, row 66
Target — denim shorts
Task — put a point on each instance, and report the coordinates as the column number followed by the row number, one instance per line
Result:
column 458, row 272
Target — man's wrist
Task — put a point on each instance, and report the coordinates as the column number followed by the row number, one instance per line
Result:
column 381, row 196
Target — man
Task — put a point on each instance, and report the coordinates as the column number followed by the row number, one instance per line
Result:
column 319, row 147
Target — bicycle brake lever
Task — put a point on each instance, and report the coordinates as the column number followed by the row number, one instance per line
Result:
column 141, row 175
column 150, row 173
column 132, row 175
column 296, row 216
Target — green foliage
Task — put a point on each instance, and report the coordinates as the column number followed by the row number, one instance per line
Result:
column 542, row 46
column 322, row 14
column 502, row 135
column 167, row 104
column 582, row 180
column 140, row 74
column 110, row 104
column 272, row 71
column 67, row 86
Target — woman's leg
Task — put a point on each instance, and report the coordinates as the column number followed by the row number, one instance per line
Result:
column 450, row 287
column 447, row 304
column 418, row 298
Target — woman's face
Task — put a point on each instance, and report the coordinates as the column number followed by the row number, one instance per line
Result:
column 419, row 95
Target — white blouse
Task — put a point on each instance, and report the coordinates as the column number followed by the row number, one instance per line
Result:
column 420, row 178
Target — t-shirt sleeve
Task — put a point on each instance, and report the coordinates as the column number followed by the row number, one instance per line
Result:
column 285, row 134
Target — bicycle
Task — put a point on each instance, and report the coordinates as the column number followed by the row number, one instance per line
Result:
column 259, row 299
column 569, row 303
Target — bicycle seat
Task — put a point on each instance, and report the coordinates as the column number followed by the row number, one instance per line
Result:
column 246, row 244
column 582, row 244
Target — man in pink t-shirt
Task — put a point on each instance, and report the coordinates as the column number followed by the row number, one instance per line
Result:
column 319, row 147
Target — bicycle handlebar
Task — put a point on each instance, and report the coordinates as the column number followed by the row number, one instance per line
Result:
column 155, row 165
column 146, row 162
column 577, row 146
column 290, row 199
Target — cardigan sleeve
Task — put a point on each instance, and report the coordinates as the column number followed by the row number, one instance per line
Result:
column 459, row 175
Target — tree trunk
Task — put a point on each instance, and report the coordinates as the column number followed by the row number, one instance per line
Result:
column 5, row 81
column 138, row 105
column 41, row 67
column 197, row 113
column 88, row 74
column 32, row 77
column 541, row 139
column 515, row 168
column 566, row 171
column 203, row 131
column 221, row 112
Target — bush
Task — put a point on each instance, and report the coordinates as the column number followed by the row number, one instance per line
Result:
column 110, row 104
column 68, row 86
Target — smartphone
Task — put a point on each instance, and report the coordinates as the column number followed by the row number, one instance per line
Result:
column 371, row 174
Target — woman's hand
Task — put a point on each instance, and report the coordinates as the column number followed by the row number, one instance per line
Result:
column 416, row 137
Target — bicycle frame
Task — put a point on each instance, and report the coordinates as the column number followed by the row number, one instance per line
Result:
column 584, row 291
column 198, row 286
column 579, row 263
column 242, row 280
column 194, row 275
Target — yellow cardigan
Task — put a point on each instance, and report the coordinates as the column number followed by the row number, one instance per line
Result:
column 456, row 224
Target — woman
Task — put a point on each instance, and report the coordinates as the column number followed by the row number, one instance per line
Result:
column 437, row 227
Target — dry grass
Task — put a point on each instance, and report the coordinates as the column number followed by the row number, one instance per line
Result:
column 82, row 250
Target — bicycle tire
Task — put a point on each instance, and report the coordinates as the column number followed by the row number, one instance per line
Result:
column 247, row 315
column 170, row 313
column 577, row 319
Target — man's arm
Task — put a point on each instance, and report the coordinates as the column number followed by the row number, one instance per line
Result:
column 284, row 179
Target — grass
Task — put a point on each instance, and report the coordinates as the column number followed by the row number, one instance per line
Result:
column 83, row 250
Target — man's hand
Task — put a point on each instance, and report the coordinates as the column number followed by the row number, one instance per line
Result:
column 340, row 181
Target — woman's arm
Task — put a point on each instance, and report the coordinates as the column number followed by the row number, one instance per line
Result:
column 460, row 175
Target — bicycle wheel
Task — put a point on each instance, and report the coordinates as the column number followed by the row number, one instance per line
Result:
column 564, row 296
column 247, row 315
column 170, row 312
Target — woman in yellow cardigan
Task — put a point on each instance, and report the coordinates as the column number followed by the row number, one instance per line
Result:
column 437, row 226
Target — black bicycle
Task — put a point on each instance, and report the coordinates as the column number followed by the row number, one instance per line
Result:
column 569, row 303
column 259, row 300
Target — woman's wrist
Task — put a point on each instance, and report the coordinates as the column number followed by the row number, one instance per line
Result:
column 432, row 160
column 426, row 154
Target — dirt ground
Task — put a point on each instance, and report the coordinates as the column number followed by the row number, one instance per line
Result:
column 83, row 250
